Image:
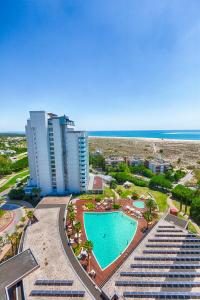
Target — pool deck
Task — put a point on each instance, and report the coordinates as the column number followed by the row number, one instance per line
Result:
column 103, row 275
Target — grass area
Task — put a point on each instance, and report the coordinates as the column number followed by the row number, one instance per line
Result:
column 107, row 193
column 2, row 212
column 191, row 228
column 177, row 204
column 161, row 199
column 11, row 182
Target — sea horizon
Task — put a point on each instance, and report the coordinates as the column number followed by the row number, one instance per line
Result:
column 189, row 135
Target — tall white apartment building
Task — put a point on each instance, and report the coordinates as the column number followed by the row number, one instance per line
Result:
column 57, row 154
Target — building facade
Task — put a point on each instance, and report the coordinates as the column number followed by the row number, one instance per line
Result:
column 57, row 154
column 158, row 165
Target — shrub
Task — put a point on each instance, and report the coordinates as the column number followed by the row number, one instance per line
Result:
column 183, row 194
column 121, row 177
column 116, row 206
column 135, row 196
column 142, row 170
column 97, row 161
column 2, row 212
column 113, row 184
column 17, row 194
column 90, row 205
column 98, row 198
column 159, row 182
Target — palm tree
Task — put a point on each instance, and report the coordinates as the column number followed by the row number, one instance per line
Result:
column 23, row 219
column 181, row 205
column 30, row 215
column 148, row 217
column 70, row 207
column 77, row 227
column 17, row 236
column 151, row 205
column 12, row 240
column 186, row 208
column 1, row 241
column 72, row 218
column 88, row 245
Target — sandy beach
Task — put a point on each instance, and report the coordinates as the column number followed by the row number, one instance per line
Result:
column 186, row 151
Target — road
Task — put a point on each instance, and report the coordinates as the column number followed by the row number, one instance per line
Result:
column 18, row 214
column 185, row 179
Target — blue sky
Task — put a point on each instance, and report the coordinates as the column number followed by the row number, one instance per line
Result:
column 122, row 64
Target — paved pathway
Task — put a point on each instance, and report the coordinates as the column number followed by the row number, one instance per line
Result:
column 18, row 214
column 171, row 205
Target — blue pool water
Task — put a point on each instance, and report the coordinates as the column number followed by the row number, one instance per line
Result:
column 139, row 204
column 161, row 134
column 111, row 233
column 9, row 206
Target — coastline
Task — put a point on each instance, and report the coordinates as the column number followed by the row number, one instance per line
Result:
column 161, row 140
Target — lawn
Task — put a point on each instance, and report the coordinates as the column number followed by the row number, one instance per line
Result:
column 11, row 182
column 107, row 193
column 191, row 228
column 2, row 212
column 161, row 199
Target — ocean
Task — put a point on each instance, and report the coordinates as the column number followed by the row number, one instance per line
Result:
column 160, row 134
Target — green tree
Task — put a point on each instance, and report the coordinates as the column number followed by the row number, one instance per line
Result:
column 151, row 205
column 36, row 193
column 70, row 207
column 1, row 241
column 88, row 245
column 159, row 182
column 23, row 219
column 20, row 164
column 195, row 210
column 72, row 218
column 123, row 167
column 30, row 215
column 148, row 217
column 113, row 184
column 97, row 161
column 16, row 194
column 78, row 227
column 183, row 194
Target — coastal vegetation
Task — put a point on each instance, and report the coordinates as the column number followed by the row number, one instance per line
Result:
column 189, row 199
column 13, row 180
column 8, row 167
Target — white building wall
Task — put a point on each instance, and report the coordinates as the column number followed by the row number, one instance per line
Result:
column 38, row 121
column 55, row 152
column 73, row 172
column 58, row 150
column 31, row 154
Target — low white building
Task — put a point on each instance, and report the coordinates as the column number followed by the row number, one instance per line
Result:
column 136, row 161
column 57, row 154
column 158, row 165
column 7, row 152
column 113, row 160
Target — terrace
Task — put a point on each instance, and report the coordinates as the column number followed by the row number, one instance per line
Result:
column 77, row 240
column 57, row 274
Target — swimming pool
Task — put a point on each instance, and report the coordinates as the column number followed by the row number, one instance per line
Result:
column 139, row 204
column 9, row 206
column 111, row 233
